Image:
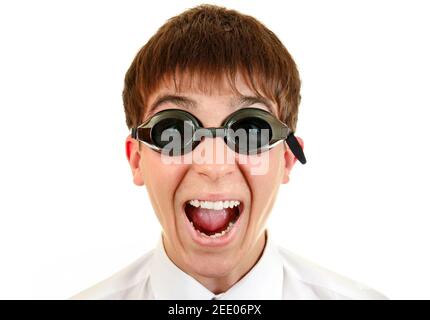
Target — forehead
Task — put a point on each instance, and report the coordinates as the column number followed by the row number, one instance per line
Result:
column 190, row 92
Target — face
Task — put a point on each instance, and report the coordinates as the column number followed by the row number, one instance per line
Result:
column 182, row 192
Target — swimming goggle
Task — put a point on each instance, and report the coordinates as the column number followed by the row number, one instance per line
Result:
column 246, row 131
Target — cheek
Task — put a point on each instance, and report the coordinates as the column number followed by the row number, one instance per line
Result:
column 160, row 173
column 161, row 181
column 264, row 172
column 265, row 183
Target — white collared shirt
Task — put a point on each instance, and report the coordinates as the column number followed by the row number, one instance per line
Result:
column 279, row 274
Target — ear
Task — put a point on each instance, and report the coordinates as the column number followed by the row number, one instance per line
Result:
column 133, row 156
column 290, row 160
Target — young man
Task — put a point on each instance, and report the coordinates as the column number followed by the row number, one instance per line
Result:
column 213, row 189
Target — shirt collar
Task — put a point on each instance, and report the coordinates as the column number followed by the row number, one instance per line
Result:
column 263, row 281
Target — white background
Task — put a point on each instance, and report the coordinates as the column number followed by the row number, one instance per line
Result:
column 70, row 215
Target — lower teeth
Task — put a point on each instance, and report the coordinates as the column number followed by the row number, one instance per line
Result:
column 216, row 235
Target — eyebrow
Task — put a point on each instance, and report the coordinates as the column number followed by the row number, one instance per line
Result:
column 246, row 101
column 189, row 104
column 181, row 101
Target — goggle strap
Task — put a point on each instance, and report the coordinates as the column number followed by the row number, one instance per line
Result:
column 134, row 133
column 295, row 147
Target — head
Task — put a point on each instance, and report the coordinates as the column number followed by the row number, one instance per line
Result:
column 211, row 61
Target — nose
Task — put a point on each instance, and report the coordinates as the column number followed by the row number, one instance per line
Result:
column 213, row 159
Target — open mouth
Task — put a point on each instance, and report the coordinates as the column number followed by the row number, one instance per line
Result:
column 213, row 218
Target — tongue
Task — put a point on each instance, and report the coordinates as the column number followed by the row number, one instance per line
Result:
column 208, row 220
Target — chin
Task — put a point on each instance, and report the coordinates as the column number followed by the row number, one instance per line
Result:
column 211, row 265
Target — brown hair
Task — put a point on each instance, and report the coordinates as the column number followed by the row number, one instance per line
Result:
column 213, row 43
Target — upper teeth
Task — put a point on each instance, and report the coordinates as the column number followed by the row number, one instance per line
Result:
column 216, row 205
